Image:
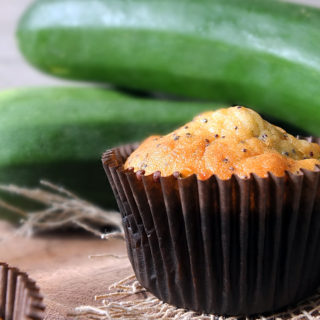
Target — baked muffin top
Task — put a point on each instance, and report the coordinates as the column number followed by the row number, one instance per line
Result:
column 228, row 141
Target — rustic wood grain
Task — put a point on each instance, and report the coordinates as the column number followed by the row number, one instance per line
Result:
column 61, row 266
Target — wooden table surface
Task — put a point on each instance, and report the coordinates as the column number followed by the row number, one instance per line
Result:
column 60, row 265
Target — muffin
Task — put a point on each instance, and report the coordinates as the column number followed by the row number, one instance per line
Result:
column 225, row 142
column 222, row 215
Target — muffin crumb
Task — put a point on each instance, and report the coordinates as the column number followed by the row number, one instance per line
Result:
column 248, row 145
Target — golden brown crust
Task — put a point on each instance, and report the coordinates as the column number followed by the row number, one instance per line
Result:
column 225, row 142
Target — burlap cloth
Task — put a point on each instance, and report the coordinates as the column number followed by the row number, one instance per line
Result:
column 69, row 279
column 84, row 277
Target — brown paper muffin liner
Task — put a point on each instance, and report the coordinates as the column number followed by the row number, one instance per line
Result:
column 20, row 298
column 225, row 247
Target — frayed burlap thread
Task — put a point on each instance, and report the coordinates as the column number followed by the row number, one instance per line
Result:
column 128, row 300
column 62, row 209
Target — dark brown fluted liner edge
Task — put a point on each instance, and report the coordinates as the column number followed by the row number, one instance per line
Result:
column 20, row 298
column 226, row 247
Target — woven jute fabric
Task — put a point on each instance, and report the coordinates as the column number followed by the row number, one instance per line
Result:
column 127, row 299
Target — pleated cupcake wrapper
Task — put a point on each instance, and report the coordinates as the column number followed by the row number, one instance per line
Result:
column 20, row 298
column 226, row 247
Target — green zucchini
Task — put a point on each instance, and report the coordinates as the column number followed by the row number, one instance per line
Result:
column 59, row 134
column 261, row 53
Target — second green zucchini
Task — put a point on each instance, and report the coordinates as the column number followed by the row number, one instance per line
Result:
column 59, row 134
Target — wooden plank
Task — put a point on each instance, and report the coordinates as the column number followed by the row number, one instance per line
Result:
column 60, row 265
